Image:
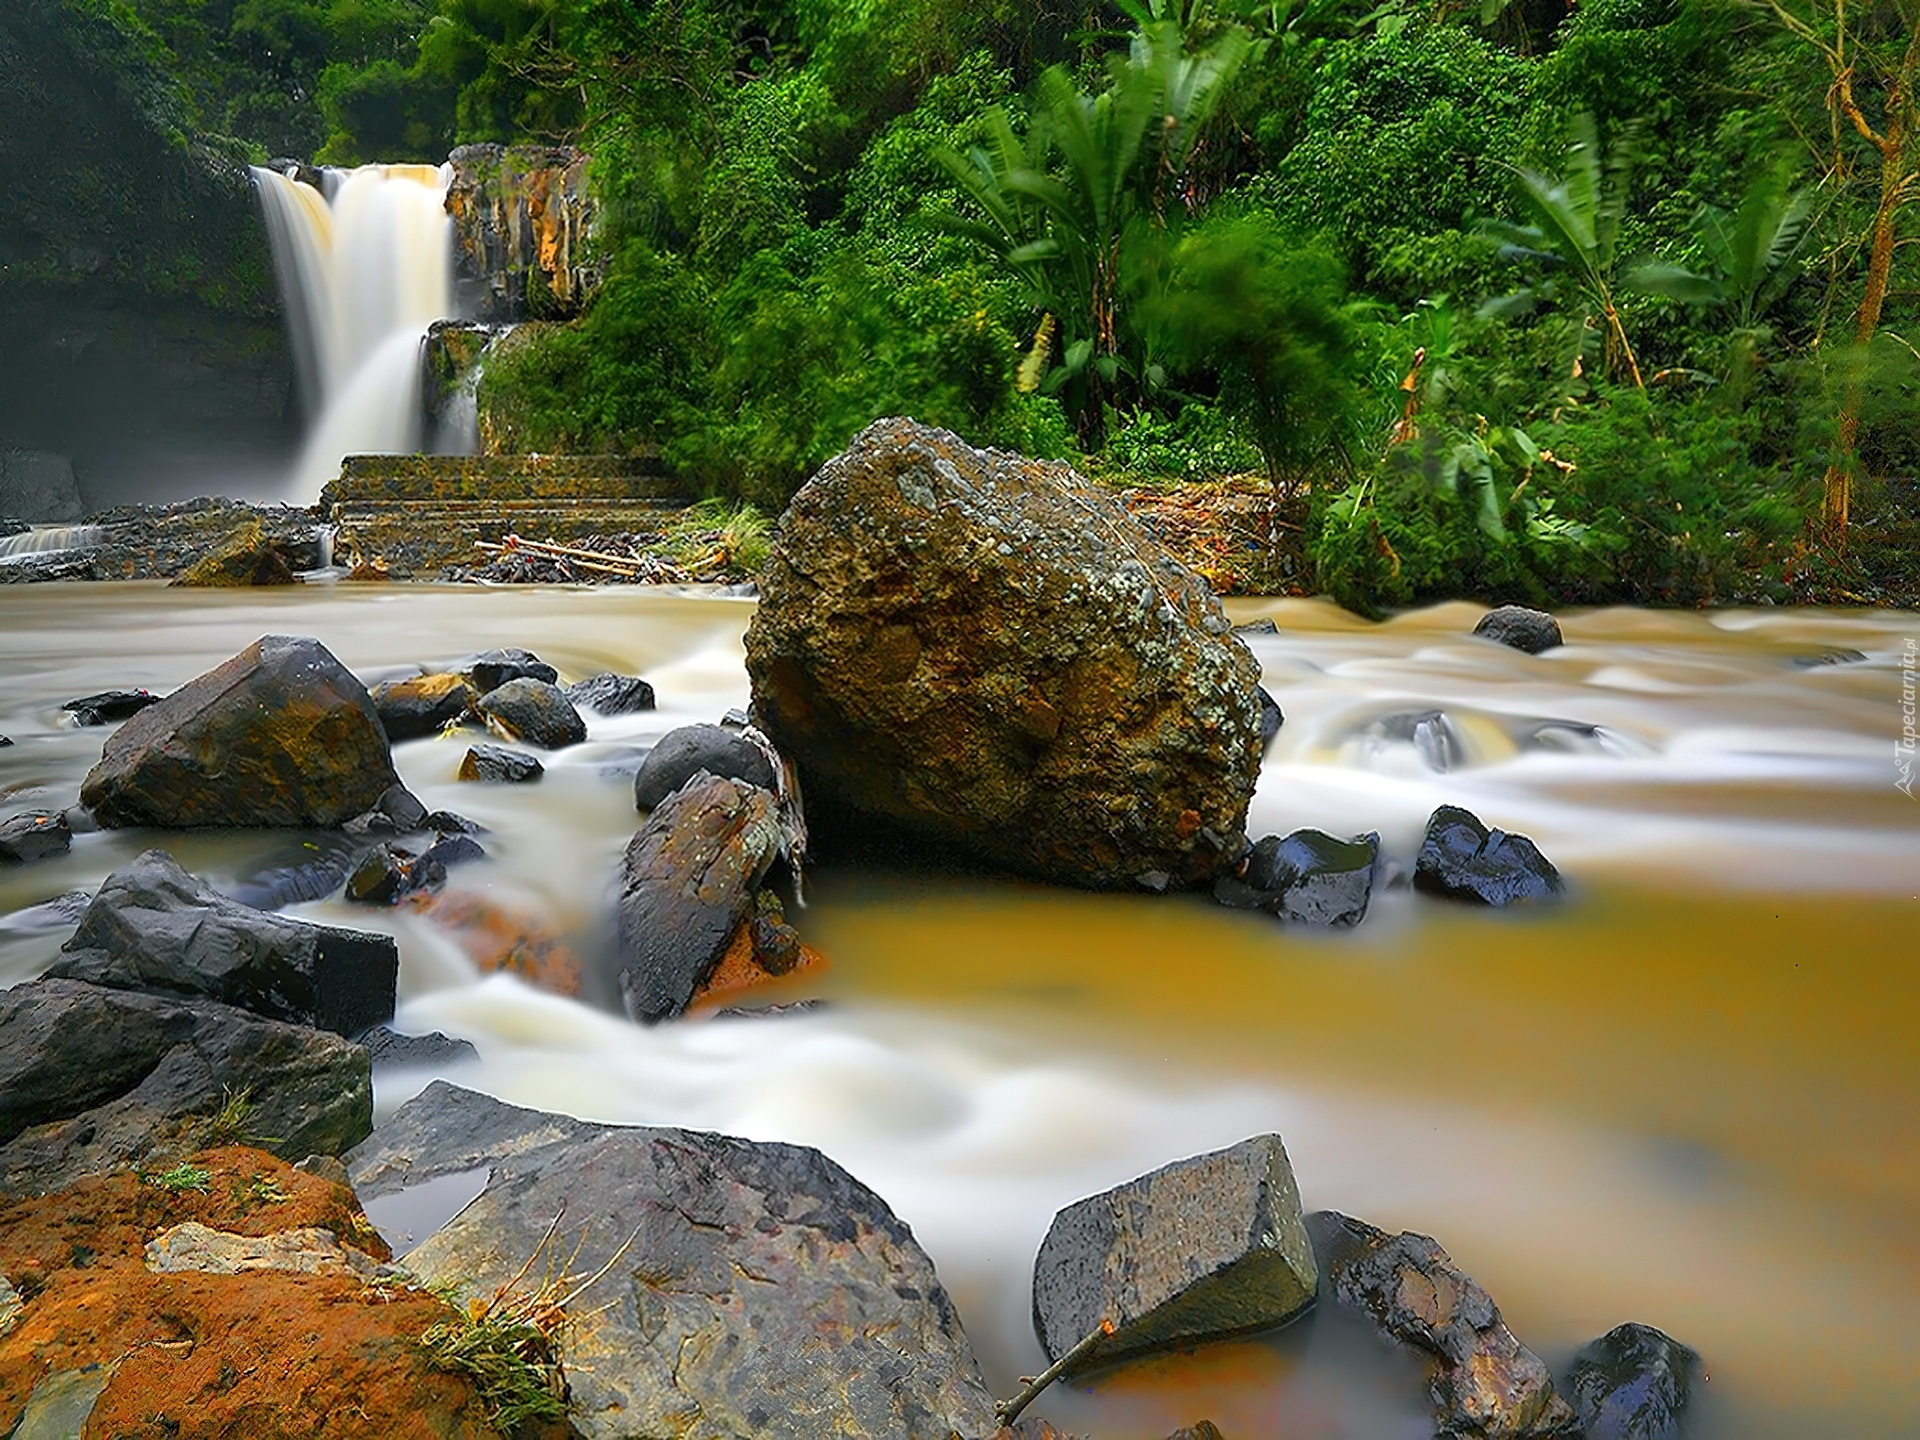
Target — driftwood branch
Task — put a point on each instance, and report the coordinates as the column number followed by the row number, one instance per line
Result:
column 1007, row 1411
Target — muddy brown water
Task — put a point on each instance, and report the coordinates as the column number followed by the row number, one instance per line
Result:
column 1688, row 1096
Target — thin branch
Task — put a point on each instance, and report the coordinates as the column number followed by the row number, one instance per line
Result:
column 1007, row 1411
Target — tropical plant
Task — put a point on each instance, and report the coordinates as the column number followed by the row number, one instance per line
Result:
column 1752, row 255
column 1092, row 175
column 1576, row 226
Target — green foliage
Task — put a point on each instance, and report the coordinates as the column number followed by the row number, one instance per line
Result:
column 183, row 1177
column 1271, row 320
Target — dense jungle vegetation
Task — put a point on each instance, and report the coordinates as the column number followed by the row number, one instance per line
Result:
column 1504, row 299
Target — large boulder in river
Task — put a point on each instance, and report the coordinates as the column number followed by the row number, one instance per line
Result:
column 154, row 927
column 986, row 651
column 1482, row 1381
column 749, row 1288
column 1516, row 626
column 1198, row 1250
column 280, row 735
column 94, row 1079
column 686, row 885
column 1462, row 859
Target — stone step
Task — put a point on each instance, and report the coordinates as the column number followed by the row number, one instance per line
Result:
column 495, row 478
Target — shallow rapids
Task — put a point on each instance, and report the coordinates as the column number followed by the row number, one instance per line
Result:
column 1685, row 1097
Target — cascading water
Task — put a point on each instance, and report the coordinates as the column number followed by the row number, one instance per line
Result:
column 48, row 540
column 364, row 270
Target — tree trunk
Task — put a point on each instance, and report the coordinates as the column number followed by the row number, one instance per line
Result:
column 1837, row 488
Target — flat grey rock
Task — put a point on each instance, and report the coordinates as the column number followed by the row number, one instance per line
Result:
column 93, row 1080
column 153, row 927
column 1202, row 1249
column 762, row 1291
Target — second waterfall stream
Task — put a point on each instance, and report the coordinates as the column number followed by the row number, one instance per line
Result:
column 365, row 268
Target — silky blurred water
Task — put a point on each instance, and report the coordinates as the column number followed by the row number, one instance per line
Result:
column 1685, row 1097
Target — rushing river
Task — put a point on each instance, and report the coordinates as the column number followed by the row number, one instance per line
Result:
column 1689, row 1096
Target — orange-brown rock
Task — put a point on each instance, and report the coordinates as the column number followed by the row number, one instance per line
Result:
column 496, row 937
column 253, row 1356
column 987, row 654
column 281, row 735
column 744, row 975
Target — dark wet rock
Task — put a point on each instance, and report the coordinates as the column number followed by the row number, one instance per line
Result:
column 496, row 765
column 451, row 850
column 1483, row 1382
column 1262, row 626
column 987, row 654
column 5, row 741
column 282, row 735
column 1633, row 1383
column 109, row 706
column 681, row 754
column 12, row 525
column 533, row 712
column 776, row 944
column 94, row 1079
column 1271, row 718
column 1201, row 1249
column 390, row 1047
column 1515, row 625
column 155, row 928
column 422, row 704
column 62, row 912
column 386, row 876
column 610, row 694
column 763, row 1290
column 397, row 812
column 1308, row 878
column 445, row 822
column 1206, row 1429
column 1837, row 655
column 33, row 837
column 686, row 884
column 490, row 669
column 1462, row 859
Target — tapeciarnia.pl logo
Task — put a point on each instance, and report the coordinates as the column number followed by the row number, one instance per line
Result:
column 1903, row 748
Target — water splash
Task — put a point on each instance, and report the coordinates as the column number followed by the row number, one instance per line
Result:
column 364, row 269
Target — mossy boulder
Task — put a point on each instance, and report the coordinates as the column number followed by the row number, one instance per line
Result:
column 986, row 652
column 281, row 735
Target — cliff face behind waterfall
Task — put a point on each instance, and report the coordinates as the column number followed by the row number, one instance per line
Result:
column 140, row 334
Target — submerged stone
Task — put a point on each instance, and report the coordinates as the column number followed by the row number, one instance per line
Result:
column 1307, row 878
column 33, row 837
column 1482, row 1381
column 609, row 694
column 496, row 765
column 1533, row 631
column 1462, row 859
column 1633, row 1383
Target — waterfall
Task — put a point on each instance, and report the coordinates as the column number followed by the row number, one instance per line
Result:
column 364, row 269
column 49, row 540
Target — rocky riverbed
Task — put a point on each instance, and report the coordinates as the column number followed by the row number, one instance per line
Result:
column 188, row 1047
